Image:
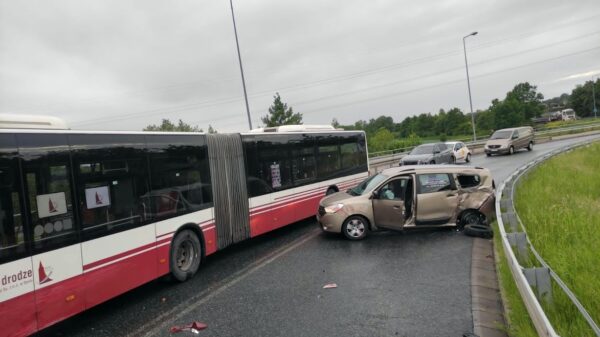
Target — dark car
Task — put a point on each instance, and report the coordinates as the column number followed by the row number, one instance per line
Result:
column 434, row 153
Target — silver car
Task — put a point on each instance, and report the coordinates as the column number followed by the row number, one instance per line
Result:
column 434, row 153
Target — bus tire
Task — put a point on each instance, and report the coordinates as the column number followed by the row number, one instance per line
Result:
column 186, row 253
column 331, row 190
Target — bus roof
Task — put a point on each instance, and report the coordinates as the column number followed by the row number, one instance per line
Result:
column 19, row 121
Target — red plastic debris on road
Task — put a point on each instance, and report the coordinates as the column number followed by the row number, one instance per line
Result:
column 194, row 327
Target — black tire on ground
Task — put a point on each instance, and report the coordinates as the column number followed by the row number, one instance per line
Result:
column 330, row 190
column 511, row 150
column 530, row 146
column 480, row 231
column 432, row 162
column 488, row 154
column 185, row 255
column 471, row 217
column 355, row 227
column 468, row 159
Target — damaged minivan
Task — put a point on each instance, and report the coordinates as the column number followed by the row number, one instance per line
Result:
column 411, row 197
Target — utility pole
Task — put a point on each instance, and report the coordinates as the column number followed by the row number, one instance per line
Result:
column 237, row 44
column 469, row 86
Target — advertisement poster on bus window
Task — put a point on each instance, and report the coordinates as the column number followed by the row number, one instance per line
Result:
column 51, row 204
column 275, row 176
column 97, row 197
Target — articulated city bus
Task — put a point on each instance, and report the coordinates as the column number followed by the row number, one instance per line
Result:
column 86, row 216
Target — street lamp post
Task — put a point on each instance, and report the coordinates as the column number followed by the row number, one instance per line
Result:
column 594, row 97
column 469, row 85
column 237, row 44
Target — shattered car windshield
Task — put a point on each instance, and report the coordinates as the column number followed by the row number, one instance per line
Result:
column 367, row 185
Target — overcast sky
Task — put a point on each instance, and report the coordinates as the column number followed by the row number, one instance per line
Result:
column 121, row 65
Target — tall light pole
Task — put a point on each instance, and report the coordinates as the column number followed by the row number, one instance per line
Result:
column 469, row 85
column 237, row 43
column 594, row 97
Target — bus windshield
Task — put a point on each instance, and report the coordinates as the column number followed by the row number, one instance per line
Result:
column 367, row 185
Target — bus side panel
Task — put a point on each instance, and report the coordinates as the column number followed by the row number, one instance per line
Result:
column 17, row 300
column 60, row 301
column 59, row 284
column 17, row 316
column 117, row 263
column 210, row 237
column 259, row 217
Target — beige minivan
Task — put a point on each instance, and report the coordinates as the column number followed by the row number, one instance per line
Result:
column 409, row 197
column 509, row 140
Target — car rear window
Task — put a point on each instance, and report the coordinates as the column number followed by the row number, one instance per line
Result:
column 435, row 182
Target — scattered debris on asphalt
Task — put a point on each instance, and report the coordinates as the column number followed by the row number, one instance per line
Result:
column 194, row 327
column 330, row 286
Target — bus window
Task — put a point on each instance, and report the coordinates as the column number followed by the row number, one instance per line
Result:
column 12, row 238
column 112, row 176
column 328, row 157
column 276, row 166
column 304, row 162
column 353, row 154
column 180, row 176
column 47, row 180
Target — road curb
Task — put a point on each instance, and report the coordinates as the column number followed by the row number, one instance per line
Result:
column 488, row 311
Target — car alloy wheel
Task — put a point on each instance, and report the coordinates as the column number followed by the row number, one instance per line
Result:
column 355, row 228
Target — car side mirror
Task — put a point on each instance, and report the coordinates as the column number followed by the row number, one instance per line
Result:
column 375, row 194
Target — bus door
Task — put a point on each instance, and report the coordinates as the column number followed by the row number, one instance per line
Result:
column 56, row 261
column 17, row 299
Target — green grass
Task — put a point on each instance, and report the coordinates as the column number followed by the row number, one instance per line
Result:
column 518, row 321
column 559, row 203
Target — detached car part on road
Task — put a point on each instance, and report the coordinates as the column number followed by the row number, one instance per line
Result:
column 434, row 153
column 411, row 197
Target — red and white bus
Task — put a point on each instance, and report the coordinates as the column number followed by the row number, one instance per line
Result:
column 86, row 216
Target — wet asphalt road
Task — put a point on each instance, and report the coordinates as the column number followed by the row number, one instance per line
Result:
column 414, row 283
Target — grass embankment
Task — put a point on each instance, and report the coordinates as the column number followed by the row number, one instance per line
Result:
column 559, row 204
column 563, row 124
column 518, row 321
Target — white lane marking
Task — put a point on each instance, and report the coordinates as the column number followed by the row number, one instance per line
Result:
column 161, row 322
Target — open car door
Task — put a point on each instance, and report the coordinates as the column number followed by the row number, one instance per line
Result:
column 389, row 203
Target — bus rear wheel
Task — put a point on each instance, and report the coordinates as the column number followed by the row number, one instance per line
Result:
column 185, row 255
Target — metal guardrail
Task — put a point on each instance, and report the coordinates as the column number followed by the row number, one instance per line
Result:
column 396, row 154
column 536, row 312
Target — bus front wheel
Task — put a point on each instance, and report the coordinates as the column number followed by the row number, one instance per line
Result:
column 185, row 255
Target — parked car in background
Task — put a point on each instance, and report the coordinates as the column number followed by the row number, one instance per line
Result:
column 460, row 151
column 509, row 140
column 434, row 153
column 409, row 197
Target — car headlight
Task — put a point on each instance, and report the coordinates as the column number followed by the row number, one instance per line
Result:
column 333, row 208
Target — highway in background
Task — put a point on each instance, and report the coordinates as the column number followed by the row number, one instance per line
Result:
column 415, row 283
